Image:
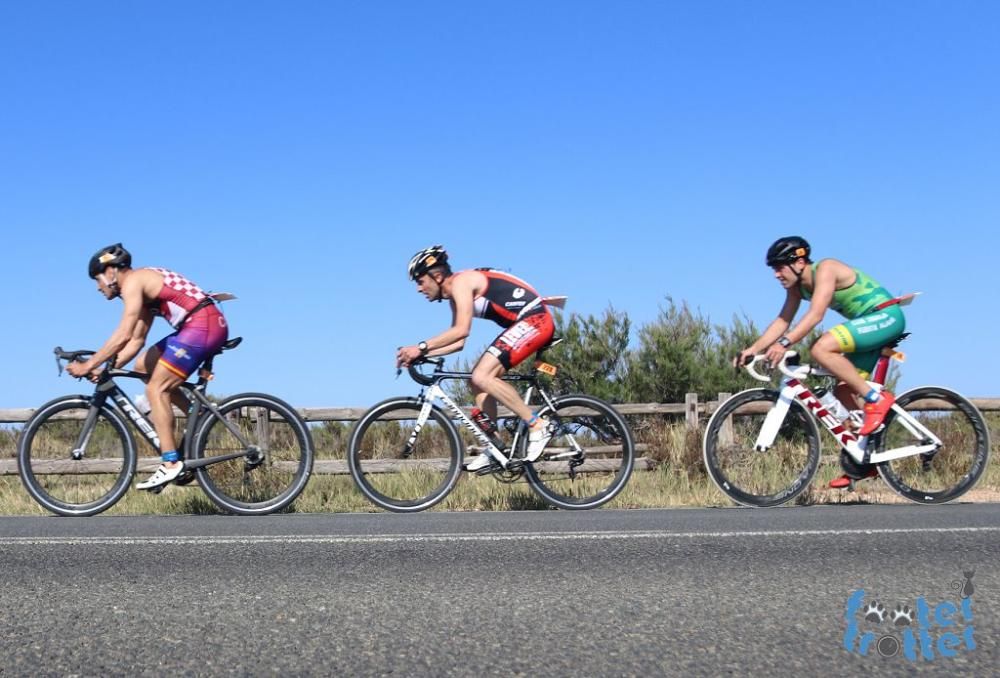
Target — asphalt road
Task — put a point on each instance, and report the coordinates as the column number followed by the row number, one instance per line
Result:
column 638, row 593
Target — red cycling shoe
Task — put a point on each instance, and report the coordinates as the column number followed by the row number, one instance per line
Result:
column 846, row 480
column 875, row 412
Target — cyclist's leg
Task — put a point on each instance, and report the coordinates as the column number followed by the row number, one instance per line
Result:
column 180, row 354
column 831, row 352
column 850, row 350
column 508, row 350
column 146, row 363
column 488, row 388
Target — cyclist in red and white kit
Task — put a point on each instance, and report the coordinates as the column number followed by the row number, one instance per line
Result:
column 200, row 331
column 506, row 300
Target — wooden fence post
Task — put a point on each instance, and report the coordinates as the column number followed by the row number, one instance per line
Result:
column 726, row 430
column 691, row 410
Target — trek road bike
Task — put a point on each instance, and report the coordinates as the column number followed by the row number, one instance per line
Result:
column 251, row 453
column 762, row 446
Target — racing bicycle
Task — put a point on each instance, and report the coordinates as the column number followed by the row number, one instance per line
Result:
column 251, row 453
column 405, row 454
column 762, row 446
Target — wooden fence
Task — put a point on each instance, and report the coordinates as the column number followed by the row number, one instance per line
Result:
column 693, row 410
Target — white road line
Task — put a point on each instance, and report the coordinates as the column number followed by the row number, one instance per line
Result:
column 432, row 538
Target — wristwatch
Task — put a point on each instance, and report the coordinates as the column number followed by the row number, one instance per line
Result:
column 785, row 341
column 423, row 347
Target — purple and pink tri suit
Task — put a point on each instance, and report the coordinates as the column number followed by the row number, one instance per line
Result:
column 201, row 327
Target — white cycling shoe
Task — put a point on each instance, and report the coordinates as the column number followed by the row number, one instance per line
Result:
column 538, row 438
column 479, row 462
column 161, row 476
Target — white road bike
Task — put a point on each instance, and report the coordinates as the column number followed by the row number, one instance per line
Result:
column 762, row 446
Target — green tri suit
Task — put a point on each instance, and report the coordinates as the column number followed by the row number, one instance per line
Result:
column 867, row 330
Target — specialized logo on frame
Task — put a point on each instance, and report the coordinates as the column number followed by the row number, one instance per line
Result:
column 918, row 629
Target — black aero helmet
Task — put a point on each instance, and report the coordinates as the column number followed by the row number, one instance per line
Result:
column 425, row 260
column 786, row 250
column 112, row 255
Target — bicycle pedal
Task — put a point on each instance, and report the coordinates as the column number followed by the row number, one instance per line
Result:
column 185, row 478
column 157, row 489
column 487, row 470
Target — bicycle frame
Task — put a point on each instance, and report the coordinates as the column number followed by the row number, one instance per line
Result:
column 200, row 406
column 435, row 392
column 792, row 388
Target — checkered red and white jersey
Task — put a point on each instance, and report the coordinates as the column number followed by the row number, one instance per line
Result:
column 177, row 297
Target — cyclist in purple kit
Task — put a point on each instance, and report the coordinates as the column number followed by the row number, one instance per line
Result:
column 199, row 332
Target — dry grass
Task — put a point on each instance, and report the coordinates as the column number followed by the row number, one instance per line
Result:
column 679, row 479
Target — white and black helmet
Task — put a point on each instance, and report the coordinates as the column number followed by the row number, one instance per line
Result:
column 427, row 259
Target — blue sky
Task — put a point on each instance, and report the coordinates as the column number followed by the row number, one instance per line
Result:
column 297, row 154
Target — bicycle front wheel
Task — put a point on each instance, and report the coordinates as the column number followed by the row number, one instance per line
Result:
column 948, row 472
column 760, row 478
column 277, row 454
column 589, row 459
column 399, row 464
column 70, row 487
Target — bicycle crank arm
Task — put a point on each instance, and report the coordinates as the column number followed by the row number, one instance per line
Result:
column 208, row 461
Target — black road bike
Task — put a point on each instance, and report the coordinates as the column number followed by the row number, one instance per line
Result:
column 251, row 453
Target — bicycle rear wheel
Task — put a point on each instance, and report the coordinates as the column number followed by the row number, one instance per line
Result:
column 386, row 474
column 760, row 478
column 69, row 487
column 950, row 471
column 589, row 459
column 278, row 459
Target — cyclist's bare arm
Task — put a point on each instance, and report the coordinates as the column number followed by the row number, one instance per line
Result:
column 778, row 326
column 828, row 274
column 134, row 292
column 463, row 293
column 138, row 340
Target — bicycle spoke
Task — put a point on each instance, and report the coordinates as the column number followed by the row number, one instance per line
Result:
column 75, row 487
column 589, row 459
column 271, row 469
column 398, row 466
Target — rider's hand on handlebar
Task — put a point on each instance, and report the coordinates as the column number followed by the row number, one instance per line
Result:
column 80, row 370
column 406, row 355
column 743, row 359
column 775, row 354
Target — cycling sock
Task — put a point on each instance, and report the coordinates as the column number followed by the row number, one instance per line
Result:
column 171, row 455
column 872, row 396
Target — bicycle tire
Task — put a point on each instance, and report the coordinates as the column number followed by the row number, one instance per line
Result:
column 238, row 486
column 952, row 470
column 596, row 425
column 46, row 444
column 375, row 461
column 761, row 479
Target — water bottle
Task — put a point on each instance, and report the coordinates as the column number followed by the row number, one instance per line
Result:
column 142, row 404
column 833, row 405
column 484, row 421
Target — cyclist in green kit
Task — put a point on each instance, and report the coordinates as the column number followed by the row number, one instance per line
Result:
column 849, row 350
